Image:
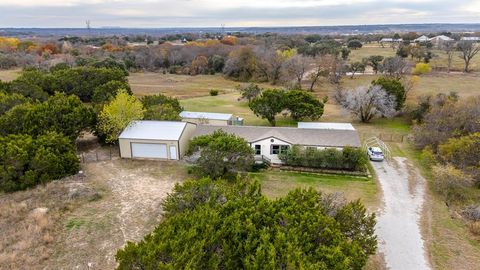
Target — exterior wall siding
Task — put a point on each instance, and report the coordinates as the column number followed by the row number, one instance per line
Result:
column 185, row 138
column 266, row 145
column 126, row 150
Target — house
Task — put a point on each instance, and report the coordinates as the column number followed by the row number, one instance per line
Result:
column 439, row 40
column 474, row 39
column 325, row 125
column 268, row 142
column 422, row 39
column 155, row 139
column 217, row 119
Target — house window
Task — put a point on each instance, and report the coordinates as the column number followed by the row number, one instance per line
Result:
column 277, row 149
column 258, row 149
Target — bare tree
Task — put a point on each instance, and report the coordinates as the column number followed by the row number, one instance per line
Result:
column 295, row 67
column 394, row 67
column 468, row 50
column 449, row 49
column 367, row 103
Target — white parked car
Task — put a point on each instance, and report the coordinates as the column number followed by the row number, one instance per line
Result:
column 375, row 154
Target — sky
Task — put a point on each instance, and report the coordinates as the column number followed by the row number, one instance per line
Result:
column 232, row 13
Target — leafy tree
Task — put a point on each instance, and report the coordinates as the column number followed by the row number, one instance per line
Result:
column 249, row 92
column 117, row 114
column 161, row 107
column 107, row 91
column 111, row 63
column 268, row 104
column 222, row 154
column 241, row 64
column 403, row 51
column 26, row 161
column 215, row 228
column 394, row 88
column 82, row 81
column 216, row 63
column 468, row 50
column 354, row 44
column 375, row 61
column 8, row 101
column 61, row 113
column 356, row 67
column 367, row 103
column 303, row 105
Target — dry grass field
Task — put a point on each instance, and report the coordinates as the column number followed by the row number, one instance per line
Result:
column 9, row 74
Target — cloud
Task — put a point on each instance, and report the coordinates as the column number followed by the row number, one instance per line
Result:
column 186, row 13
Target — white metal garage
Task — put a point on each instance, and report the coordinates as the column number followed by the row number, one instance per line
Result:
column 149, row 150
column 165, row 140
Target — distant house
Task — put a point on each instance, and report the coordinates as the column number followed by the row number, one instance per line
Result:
column 391, row 40
column 268, row 142
column 421, row 39
column 474, row 39
column 166, row 140
column 439, row 40
column 220, row 119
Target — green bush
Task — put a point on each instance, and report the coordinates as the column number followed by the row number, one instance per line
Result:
column 26, row 161
column 214, row 92
column 213, row 225
column 222, row 155
column 350, row 159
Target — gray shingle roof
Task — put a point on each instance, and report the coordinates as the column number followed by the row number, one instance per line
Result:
column 301, row 136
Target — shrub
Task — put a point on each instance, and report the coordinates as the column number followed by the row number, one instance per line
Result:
column 222, row 154
column 351, row 159
column 27, row 161
column 422, row 68
column 394, row 88
column 210, row 225
column 214, row 92
column 452, row 184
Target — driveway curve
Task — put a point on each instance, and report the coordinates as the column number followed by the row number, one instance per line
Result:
column 398, row 223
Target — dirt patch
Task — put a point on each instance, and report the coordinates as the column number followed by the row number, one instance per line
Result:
column 129, row 209
column 80, row 222
column 31, row 221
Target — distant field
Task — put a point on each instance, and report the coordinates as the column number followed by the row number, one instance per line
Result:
column 439, row 60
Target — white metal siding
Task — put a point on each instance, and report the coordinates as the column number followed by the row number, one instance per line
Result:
column 149, row 150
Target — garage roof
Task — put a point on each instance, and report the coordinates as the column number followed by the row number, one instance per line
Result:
column 324, row 125
column 153, row 130
column 205, row 115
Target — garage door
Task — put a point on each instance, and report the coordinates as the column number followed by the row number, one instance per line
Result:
column 149, row 150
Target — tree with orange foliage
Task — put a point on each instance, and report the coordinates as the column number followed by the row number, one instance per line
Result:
column 48, row 48
column 229, row 40
column 199, row 65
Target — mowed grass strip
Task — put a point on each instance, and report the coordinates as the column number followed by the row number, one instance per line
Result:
column 276, row 183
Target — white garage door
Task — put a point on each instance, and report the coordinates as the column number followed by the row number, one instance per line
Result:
column 149, row 150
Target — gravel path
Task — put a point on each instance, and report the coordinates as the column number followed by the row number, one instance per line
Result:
column 398, row 224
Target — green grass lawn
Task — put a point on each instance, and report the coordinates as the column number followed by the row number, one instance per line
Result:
column 276, row 183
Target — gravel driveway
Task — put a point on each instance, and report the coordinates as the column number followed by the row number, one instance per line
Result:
column 398, row 224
